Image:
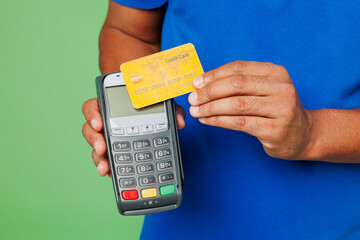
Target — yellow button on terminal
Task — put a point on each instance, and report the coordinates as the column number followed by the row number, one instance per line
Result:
column 148, row 193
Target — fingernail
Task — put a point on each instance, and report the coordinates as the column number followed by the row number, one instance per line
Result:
column 198, row 81
column 93, row 124
column 202, row 120
column 193, row 98
column 194, row 109
column 96, row 146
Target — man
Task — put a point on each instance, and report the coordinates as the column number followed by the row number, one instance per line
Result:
column 275, row 166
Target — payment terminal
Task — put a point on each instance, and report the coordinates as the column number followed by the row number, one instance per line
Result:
column 142, row 148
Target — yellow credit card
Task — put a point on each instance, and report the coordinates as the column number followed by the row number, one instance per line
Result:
column 162, row 75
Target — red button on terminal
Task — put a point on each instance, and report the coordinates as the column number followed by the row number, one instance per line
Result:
column 130, row 195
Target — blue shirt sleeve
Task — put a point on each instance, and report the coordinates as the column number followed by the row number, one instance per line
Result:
column 141, row 4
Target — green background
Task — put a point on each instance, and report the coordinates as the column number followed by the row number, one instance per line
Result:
column 50, row 188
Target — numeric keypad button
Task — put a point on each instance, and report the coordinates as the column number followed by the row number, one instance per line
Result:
column 121, row 146
column 141, row 144
column 165, row 165
column 166, row 177
column 147, row 180
column 126, row 170
column 161, row 141
column 143, row 156
column 127, row 182
column 163, row 153
column 123, row 158
column 145, row 168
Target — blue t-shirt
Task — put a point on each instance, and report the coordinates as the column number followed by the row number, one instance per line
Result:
column 233, row 189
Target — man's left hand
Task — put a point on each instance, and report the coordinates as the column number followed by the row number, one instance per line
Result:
column 257, row 98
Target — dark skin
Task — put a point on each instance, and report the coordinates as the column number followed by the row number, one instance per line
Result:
column 127, row 34
column 260, row 99
column 254, row 97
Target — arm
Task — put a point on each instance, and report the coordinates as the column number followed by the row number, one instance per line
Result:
column 260, row 99
column 127, row 34
column 335, row 136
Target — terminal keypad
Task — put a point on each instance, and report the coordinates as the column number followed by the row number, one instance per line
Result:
column 143, row 163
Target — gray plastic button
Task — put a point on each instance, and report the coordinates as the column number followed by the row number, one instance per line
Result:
column 147, row 180
column 126, row 170
column 118, row 131
column 167, row 177
column 165, row 165
column 161, row 126
column 143, row 156
column 147, row 128
column 141, row 144
column 132, row 130
column 127, row 182
column 121, row 146
column 163, row 153
column 161, row 141
column 123, row 158
column 145, row 168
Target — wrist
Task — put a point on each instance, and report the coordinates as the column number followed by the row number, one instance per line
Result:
column 312, row 148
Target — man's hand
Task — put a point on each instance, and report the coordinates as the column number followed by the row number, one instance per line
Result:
column 256, row 98
column 92, row 133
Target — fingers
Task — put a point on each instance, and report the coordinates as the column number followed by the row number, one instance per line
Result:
column 95, row 139
column 234, row 68
column 238, row 105
column 91, row 130
column 92, row 115
column 230, row 86
column 180, row 116
column 102, row 163
column 249, row 124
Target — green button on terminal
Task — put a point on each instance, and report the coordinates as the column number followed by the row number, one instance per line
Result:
column 167, row 190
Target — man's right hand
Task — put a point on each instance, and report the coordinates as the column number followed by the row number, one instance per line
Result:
column 92, row 132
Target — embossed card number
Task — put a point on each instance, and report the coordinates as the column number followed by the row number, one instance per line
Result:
column 161, row 76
